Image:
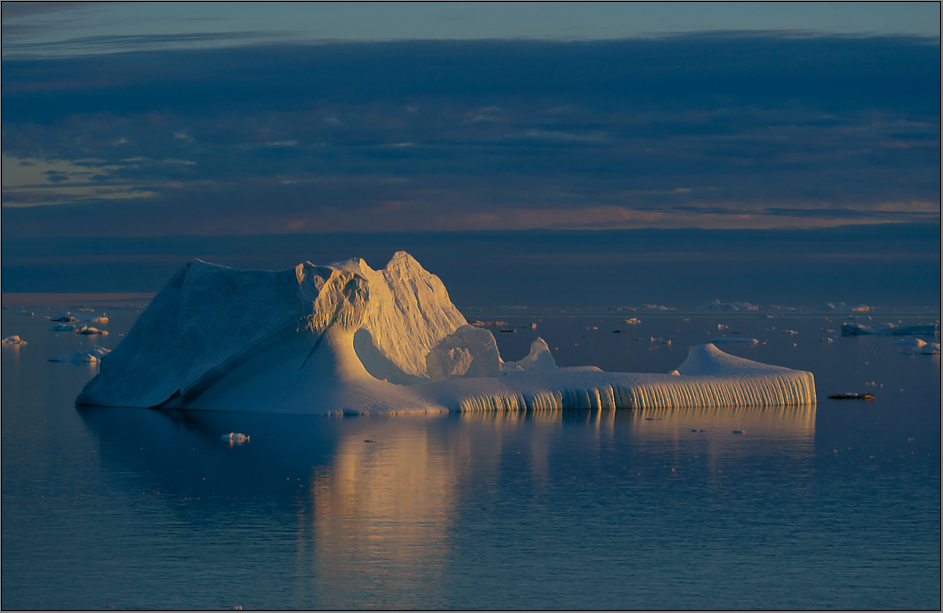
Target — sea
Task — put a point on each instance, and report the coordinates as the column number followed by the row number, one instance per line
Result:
column 829, row 506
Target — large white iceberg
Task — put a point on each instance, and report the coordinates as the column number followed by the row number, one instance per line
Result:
column 344, row 338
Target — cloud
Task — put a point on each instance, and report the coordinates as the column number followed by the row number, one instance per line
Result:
column 705, row 131
column 139, row 42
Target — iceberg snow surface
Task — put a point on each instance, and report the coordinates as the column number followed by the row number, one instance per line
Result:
column 344, row 338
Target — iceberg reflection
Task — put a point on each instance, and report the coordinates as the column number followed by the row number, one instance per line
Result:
column 379, row 505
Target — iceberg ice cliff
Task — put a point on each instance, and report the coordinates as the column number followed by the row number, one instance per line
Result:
column 345, row 338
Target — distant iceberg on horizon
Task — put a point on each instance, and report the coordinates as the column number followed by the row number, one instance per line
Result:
column 346, row 339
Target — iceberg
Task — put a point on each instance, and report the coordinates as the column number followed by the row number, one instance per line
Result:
column 889, row 329
column 234, row 439
column 93, row 355
column 843, row 308
column 65, row 328
column 13, row 340
column 736, row 340
column 717, row 305
column 346, row 339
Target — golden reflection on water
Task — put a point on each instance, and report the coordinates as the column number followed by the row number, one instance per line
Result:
column 381, row 512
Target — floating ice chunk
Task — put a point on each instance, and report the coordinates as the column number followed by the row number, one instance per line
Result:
column 65, row 316
column 843, row 308
column 913, row 343
column 740, row 340
column 13, row 340
column 632, row 321
column 89, row 330
column 539, row 358
column 64, row 328
column 856, row 329
column 717, row 305
column 92, row 355
column 234, row 438
column 467, row 352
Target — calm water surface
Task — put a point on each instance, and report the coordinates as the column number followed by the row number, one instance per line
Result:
column 831, row 506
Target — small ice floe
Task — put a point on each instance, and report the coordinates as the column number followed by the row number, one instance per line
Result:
column 86, row 310
column 633, row 321
column 480, row 324
column 915, row 345
column 931, row 349
column 94, row 354
column 64, row 328
column 851, row 396
column 842, row 307
column 911, row 345
column 791, row 332
column 102, row 319
column 738, row 432
column 855, row 329
column 90, row 330
column 742, row 341
column 13, row 340
column 65, row 316
column 533, row 326
column 235, row 438
column 717, row 305
column 25, row 312
column 827, row 339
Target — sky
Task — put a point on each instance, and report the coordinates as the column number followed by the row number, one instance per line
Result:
column 218, row 119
